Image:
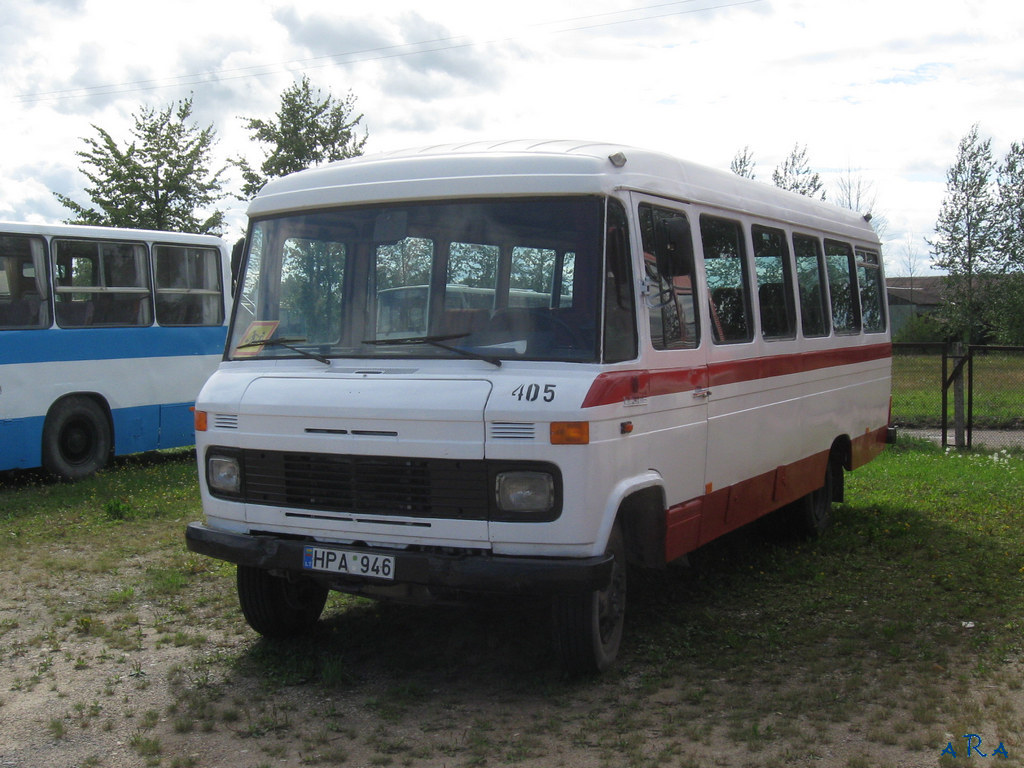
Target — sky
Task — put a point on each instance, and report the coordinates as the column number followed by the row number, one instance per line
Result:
column 878, row 91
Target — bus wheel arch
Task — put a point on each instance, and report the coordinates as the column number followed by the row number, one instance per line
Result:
column 811, row 515
column 841, row 458
column 642, row 518
column 78, row 437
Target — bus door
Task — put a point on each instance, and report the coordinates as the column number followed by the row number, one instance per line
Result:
column 677, row 406
column 753, row 380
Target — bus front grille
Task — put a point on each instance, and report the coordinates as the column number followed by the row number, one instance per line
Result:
column 368, row 485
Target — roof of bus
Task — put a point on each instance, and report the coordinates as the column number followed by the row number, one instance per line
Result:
column 81, row 230
column 534, row 168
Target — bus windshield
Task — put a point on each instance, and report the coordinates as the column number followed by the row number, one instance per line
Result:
column 497, row 279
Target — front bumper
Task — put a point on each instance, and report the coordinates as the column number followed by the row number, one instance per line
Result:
column 477, row 573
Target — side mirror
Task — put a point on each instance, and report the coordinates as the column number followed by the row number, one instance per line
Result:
column 673, row 247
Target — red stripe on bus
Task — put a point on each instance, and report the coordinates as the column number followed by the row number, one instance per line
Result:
column 617, row 386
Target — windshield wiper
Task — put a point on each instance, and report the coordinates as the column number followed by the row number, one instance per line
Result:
column 287, row 344
column 438, row 341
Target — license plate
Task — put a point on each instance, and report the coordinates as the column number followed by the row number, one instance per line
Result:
column 350, row 563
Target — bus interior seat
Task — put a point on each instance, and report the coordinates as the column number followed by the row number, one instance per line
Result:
column 728, row 306
column 773, row 310
column 509, row 325
column 74, row 314
column 18, row 313
column 119, row 311
column 543, row 329
column 463, row 321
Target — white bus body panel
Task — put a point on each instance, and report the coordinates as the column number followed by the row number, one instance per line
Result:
column 697, row 423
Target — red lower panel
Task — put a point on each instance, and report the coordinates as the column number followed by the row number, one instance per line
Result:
column 698, row 521
column 867, row 446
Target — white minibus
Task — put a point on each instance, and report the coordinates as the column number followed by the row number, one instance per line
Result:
column 106, row 336
column 393, row 417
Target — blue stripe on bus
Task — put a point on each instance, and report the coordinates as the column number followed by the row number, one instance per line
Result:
column 142, row 428
column 21, row 445
column 42, row 346
column 148, row 427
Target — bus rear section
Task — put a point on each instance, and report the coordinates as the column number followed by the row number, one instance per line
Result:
column 525, row 369
column 106, row 337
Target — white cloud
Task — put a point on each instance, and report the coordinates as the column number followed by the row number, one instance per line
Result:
column 885, row 89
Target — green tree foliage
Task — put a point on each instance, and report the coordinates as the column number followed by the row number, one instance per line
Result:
column 795, row 174
column 1010, row 225
column 308, row 129
column 160, row 180
column 966, row 234
column 1005, row 302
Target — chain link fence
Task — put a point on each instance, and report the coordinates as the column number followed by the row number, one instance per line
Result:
column 993, row 385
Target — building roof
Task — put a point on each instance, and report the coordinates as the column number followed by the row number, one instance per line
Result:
column 921, row 291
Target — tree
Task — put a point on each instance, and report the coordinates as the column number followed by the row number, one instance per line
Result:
column 743, row 163
column 965, row 233
column 160, row 180
column 858, row 194
column 794, row 174
column 307, row 130
column 1010, row 185
column 1006, row 305
column 911, row 261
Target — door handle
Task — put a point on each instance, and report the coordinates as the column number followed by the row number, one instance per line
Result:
column 701, row 392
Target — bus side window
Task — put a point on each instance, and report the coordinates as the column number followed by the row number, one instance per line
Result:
column 101, row 283
column 811, row 280
column 188, row 285
column 842, row 285
column 126, row 272
column 871, row 291
column 620, row 342
column 774, row 283
column 728, row 281
column 74, row 269
column 673, row 306
column 24, row 291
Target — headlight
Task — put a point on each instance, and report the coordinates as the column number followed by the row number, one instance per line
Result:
column 525, row 491
column 224, row 475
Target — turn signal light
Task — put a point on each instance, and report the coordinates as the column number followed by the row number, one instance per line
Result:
column 200, row 420
column 570, row 432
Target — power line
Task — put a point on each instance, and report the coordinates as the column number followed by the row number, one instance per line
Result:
column 580, row 23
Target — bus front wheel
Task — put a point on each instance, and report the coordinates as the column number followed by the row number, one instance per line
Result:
column 588, row 626
column 276, row 606
column 76, row 438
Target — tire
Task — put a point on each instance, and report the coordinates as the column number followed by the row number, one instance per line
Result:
column 588, row 626
column 77, row 440
column 811, row 516
column 277, row 607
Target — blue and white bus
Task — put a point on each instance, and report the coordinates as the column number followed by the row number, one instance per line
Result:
column 106, row 337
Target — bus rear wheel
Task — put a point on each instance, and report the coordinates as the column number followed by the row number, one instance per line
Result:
column 811, row 516
column 588, row 626
column 276, row 606
column 76, row 438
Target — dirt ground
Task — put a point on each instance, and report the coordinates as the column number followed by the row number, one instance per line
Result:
column 130, row 680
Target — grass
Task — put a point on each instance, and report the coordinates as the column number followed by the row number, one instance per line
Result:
column 998, row 391
column 899, row 626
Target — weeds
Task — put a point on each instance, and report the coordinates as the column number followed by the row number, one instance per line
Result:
column 766, row 650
